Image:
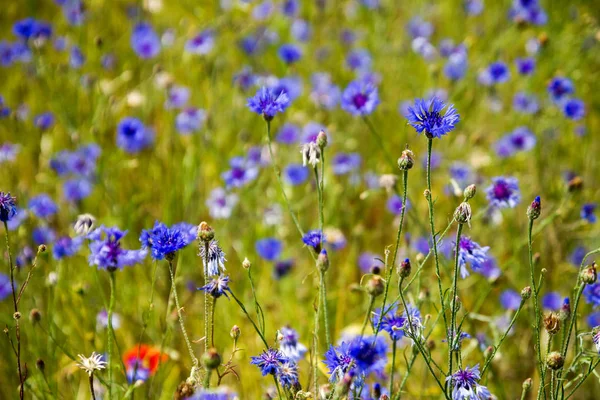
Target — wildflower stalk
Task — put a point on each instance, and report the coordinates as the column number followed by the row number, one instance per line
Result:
column 16, row 315
column 323, row 288
column 315, row 346
column 391, row 390
column 256, row 328
column 180, row 316
column 92, row 387
column 111, row 306
column 277, row 386
column 512, row 322
column 590, row 370
column 206, row 303
column 259, row 312
column 367, row 316
column 396, row 246
column 405, row 377
column 387, row 155
column 322, row 281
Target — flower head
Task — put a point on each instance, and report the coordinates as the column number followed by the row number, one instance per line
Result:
column 66, row 246
column 588, row 212
column 314, row 239
column 217, row 287
column 269, row 361
column 426, row 116
column 465, row 385
column 142, row 361
column 106, row 252
column 202, row 43
column 504, row 192
column 269, row 248
column 289, row 345
column 163, row 240
column 592, row 294
column 470, row 252
column 220, row 203
column 288, row 374
column 144, row 41
column 92, row 363
column 8, row 207
column 213, row 257
column 360, row 98
column 268, row 103
column 42, row 206
column 133, row 136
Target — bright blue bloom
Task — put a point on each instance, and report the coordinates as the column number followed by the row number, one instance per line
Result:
column 7, row 56
column 465, row 385
column 359, row 59
column 8, row 206
column 592, row 294
column 288, row 374
column 144, row 41
column 137, row 374
column 593, row 319
column 217, row 287
column 42, row 206
column 394, row 204
column 510, row 299
column 268, row 103
column 77, row 189
column 360, row 98
column 344, row 163
column 426, row 116
column 363, row 356
column 456, row 66
column 503, row 192
column 269, row 248
column 213, row 394
column 495, row 73
column 490, row 269
column 577, row 255
column 289, row 53
column 295, row 174
column 521, row 139
column 106, row 251
column 552, row 301
column 313, row 239
column 574, row 109
column 367, row 260
column 202, row 43
column 525, row 66
column 76, row 58
column 588, row 212
column 395, row 323
column 177, row 97
column 30, row 28
column 190, row 120
column 528, row 11
column 163, row 240
column 526, row 104
column 44, row 121
column 43, row 235
column 5, row 286
column 66, row 246
column 21, row 52
column 289, row 345
column 269, row 361
column 133, row 136
column 18, row 219
column 289, row 85
column 241, row 173
column 559, row 88
column 288, row 134
column 290, row 8
column 470, row 252
column 213, row 259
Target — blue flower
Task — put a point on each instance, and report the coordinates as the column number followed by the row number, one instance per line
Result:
column 510, row 299
column 490, row 269
column 525, row 66
column 76, row 58
column 552, row 301
column 417, row 27
column 360, row 98
column 290, row 53
column 503, row 192
column 241, row 173
column 163, row 240
column 592, row 294
column 30, row 28
column 42, row 206
column 8, row 207
column 456, row 66
column 495, row 73
column 75, row 190
column 214, row 258
column 393, row 322
column 44, row 121
column 470, row 252
column 313, row 239
column 426, row 116
column 220, row 203
column 465, row 385
column 282, row 268
column 361, row 355
column 593, row 319
column 301, row 30
column 269, row 361
column 559, row 88
column 288, row 134
column 367, row 260
column 526, row 104
column 324, row 92
column 289, row 345
column 17, row 219
column 245, row 78
column 291, row 86
column 588, row 212
column 269, row 248
column 217, row 287
column 5, row 286
column 521, row 139
column 288, row 374
column 177, row 97
column 290, row 8
column 144, row 41
column 359, row 59
column 133, row 136
column 344, row 163
column 106, row 252
column 528, row 11
column 394, row 204
column 268, row 103
column 43, row 235
column 295, row 174
column 202, row 43
column 574, row 109
column 66, row 246
column 338, row 361
column 577, row 255
column 190, row 120
column 310, row 131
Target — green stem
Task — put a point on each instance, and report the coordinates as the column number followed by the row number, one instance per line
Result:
column 405, row 377
column 206, row 304
column 324, row 305
column 379, row 139
column 111, row 306
column 452, row 334
column 259, row 312
column 368, row 316
column 589, row 372
column 207, row 378
column 536, row 308
column 393, row 367
column 322, row 281
column 315, row 344
column 180, row 316
column 250, row 319
column 277, row 386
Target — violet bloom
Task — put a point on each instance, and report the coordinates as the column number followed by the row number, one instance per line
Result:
column 77, row 189
column 66, row 247
column 106, row 251
column 344, row 163
column 44, row 121
column 202, row 43
column 465, row 385
column 8, row 207
column 521, row 139
column 495, row 73
column 503, row 192
column 269, row 248
column 588, row 212
column 241, row 173
column 268, row 103
column 524, row 103
column 177, row 97
column 133, row 136
column 144, row 41
column 559, row 88
column 426, row 116
column 360, row 98
column 574, row 109
column 525, row 66
column 470, row 252
column 220, row 203
column 289, row 345
column 289, row 53
column 510, row 299
column 42, row 206
column 190, row 121
column 324, row 92
column 288, row 134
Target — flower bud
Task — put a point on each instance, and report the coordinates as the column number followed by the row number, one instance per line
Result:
column 534, row 209
column 40, row 364
column 35, row 315
column 470, row 191
column 565, row 310
column 235, row 332
column 17, row 315
column 526, row 292
column 246, row 263
column 552, row 323
column 589, row 275
column 211, row 359
column 487, row 353
column 322, row 139
column 404, row 269
column 323, row 261
column 427, row 194
column 406, row 160
column 375, row 286
column 555, row 360
column 527, row 384
column 463, row 213
column 42, row 248
column 205, row 232
column 575, row 184
column 84, row 224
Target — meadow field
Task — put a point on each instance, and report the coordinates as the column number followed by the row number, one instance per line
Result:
column 299, row 199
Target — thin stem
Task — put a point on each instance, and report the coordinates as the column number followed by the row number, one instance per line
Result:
column 315, row 345
column 180, row 316
column 277, row 386
column 206, row 303
column 452, row 334
column 589, row 372
column 212, row 323
column 552, row 374
column 324, row 305
column 259, row 312
column 322, row 281
column 92, row 387
column 250, row 319
column 207, row 378
column 393, row 367
column 111, row 306
column 536, row 308
column 387, row 155
column 405, row 377
column 368, row 316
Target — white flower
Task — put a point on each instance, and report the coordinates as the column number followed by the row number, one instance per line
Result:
column 84, row 224
column 91, row 364
column 596, row 338
column 311, row 154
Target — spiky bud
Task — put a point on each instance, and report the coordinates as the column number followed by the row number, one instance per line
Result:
column 555, row 360
column 375, row 286
column 534, row 209
column 463, row 213
column 589, row 275
column 526, row 292
column 84, row 224
column 235, row 332
column 322, row 139
column 323, row 261
column 404, row 268
column 470, row 191
column 205, row 232
column 211, row 359
column 406, row 160
column 552, row 323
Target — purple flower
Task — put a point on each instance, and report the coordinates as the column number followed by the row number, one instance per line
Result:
column 359, row 59
column 8, row 207
column 244, row 78
column 360, row 98
column 77, row 189
column 44, row 121
column 417, row 27
column 470, row 252
column 144, row 41
column 324, row 92
column 367, row 260
column 133, row 136
column 490, row 269
column 588, row 212
column 269, row 361
column 106, row 251
column 213, row 257
column 592, row 294
column 177, row 97
column 202, row 43
column 593, row 320
column 190, row 120
column 76, row 58
column 289, row 53
column 241, row 173
column 268, row 103
column 577, row 255
column 220, row 203
column 503, row 192
column 282, row 268
column 288, row 374
column 295, row 174
column 16, row 221
column 394, row 204
column 289, row 345
column 473, row 7
column 552, row 301
column 301, row 30
column 425, row 116
column 43, row 235
column 269, row 248
column 574, row 109
column 163, row 240
column 528, row 11
column 290, row 8
column 42, row 206
column 288, row 134
column 315, row 239
column 524, row 103
column 495, row 73
column 344, row 163
column 30, row 28
column 521, row 139
column 525, row 66
column 290, row 85
column 456, row 66
column 217, row 286
column 465, row 385
column 5, row 286
column 310, row 131
column 66, row 246
column 510, row 299
column 559, row 88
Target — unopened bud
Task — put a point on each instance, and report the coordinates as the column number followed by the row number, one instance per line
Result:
column 246, row 263
column 565, row 310
column 235, row 332
column 375, row 286
column 17, row 315
column 575, row 184
column 35, row 315
column 555, row 360
column 487, row 353
column 205, row 232
column 406, row 160
column 535, row 208
column 589, row 275
column 211, row 359
column 84, row 224
column 463, row 213
column 470, row 191
column 526, row 384
column 322, row 139
column 42, row 248
column 526, row 292
column 552, row 323
column 40, row 364
column 404, row 269
column 427, row 194
column 323, row 261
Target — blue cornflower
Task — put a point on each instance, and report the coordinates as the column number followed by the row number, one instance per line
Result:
column 301, row 30
column 525, row 66
column 289, row 85
column 202, row 43
column 77, row 189
column 588, row 212
column 593, row 319
column 214, row 258
column 510, row 299
column 282, row 268
column 106, row 252
column 163, row 241
column 66, row 246
column 339, row 361
column 42, row 206
column 528, row 11
column 289, row 53
column 263, row 10
column 5, row 286
column 288, row 374
column 190, row 120
column 324, row 92
column 76, row 57
column 245, row 79
column 456, row 66
column 289, row 345
column 490, row 269
column 470, row 252
column 241, row 173
column 295, row 174
column 552, row 301
column 473, row 7
column 344, row 163
column 592, row 294
column 457, row 338
column 465, row 385
column 220, row 203
column 220, row 393
column 30, row 28
column 43, row 235
column 44, row 121
column 393, row 322
column 576, row 257
column 368, row 356
column 177, row 97
column 425, row 116
column 359, row 59
column 417, row 27
column 290, row 8
column 521, row 139
column 288, row 134
column 360, row 98
column 574, row 109
column 17, row 219
column 133, row 136
column 394, row 204
column 462, row 173
column 313, row 239
column 217, row 287
column 8, row 206
column 268, row 103
column 144, row 41
column 269, row 248
column 526, row 104
column 495, row 73
column 559, row 88
column 269, row 361
column 503, row 192
column 310, row 131
column 367, row 260
column 7, row 56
